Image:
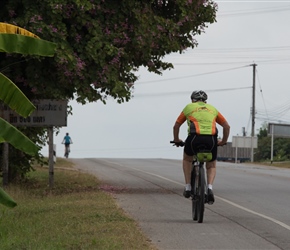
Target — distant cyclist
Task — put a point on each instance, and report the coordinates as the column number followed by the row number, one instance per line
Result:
column 67, row 141
column 201, row 120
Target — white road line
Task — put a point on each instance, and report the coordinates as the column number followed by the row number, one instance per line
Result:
column 225, row 200
column 255, row 213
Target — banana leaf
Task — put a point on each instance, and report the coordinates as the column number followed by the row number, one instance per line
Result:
column 26, row 45
column 10, row 134
column 14, row 39
column 12, row 96
column 6, row 200
column 13, row 29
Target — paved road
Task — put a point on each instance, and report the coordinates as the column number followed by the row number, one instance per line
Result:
column 252, row 208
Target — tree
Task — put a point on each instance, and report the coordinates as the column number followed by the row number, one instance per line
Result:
column 24, row 43
column 263, row 152
column 101, row 44
column 281, row 147
column 14, row 39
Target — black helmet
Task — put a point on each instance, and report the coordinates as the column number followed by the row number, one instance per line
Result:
column 198, row 95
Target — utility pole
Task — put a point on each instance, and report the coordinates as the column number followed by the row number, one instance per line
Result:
column 253, row 111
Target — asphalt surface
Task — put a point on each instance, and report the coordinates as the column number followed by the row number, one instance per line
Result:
column 251, row 210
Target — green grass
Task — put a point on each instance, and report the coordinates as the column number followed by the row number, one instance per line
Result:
column 75, row 214
column 281, row 164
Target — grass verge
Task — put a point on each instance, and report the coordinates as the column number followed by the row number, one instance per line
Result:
column 282, row 164
column 75, row 214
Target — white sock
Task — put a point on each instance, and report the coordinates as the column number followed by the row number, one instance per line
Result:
column 209, row 186
column 188, row 187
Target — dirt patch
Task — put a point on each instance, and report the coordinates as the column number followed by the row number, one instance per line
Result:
column 125, row 190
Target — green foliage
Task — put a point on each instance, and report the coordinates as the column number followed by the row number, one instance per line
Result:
column 6, row 200
column 281, row 147
column 14, row 43
column 14, row 39
column 10, row 94
column 100, row 44
column 13, row 136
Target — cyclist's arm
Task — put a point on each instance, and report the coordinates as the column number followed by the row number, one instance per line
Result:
column 226, row 129
column 180, row 120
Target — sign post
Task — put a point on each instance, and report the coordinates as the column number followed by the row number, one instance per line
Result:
column 48, row 113
column 244, row 142
column 50, row 157
column 277, row 130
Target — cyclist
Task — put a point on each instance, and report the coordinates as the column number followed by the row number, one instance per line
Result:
column 201, row 120
column 67, row 141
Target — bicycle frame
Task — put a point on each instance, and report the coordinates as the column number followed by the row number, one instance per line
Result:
column 198, row 180
column 198, row 184
column 67, row 150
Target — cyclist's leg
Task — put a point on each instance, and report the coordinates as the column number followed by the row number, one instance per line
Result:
column 187, row 165
column 211, row 165
column 211, row 170
column 211, row 173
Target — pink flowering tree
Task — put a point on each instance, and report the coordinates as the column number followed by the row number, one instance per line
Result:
column 101, row 43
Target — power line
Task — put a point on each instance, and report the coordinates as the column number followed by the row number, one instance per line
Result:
column 236, row 53
column 183, row 77
column 230, row 50
column 270, row 61
column 262, row 95
column 252, row 1
column 189, row 91
column 254, row 11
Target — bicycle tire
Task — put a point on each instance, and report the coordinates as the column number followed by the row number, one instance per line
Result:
column 201, row 195
column 66, row 154
column 194, row 184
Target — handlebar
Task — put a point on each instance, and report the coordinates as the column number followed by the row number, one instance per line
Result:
column 178, row 144
column 182, row 143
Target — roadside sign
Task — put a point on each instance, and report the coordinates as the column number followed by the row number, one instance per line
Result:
column 279, row 130
column 244, row 142
column 48, row 113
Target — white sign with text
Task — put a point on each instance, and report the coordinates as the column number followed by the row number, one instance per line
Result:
column 48, row 113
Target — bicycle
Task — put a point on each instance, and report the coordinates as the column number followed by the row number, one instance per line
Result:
column 66, row 150
column 198, row 181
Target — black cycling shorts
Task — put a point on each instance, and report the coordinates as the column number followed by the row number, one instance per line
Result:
column 194, row 141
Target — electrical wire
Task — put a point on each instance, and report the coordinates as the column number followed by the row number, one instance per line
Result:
column 201, row 74
column 261, row 92
column 189, row 91
column 248, row 12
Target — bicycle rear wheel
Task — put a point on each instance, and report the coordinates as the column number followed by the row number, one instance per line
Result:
column 66, row 152
column 194, row 190
column 201, row 195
